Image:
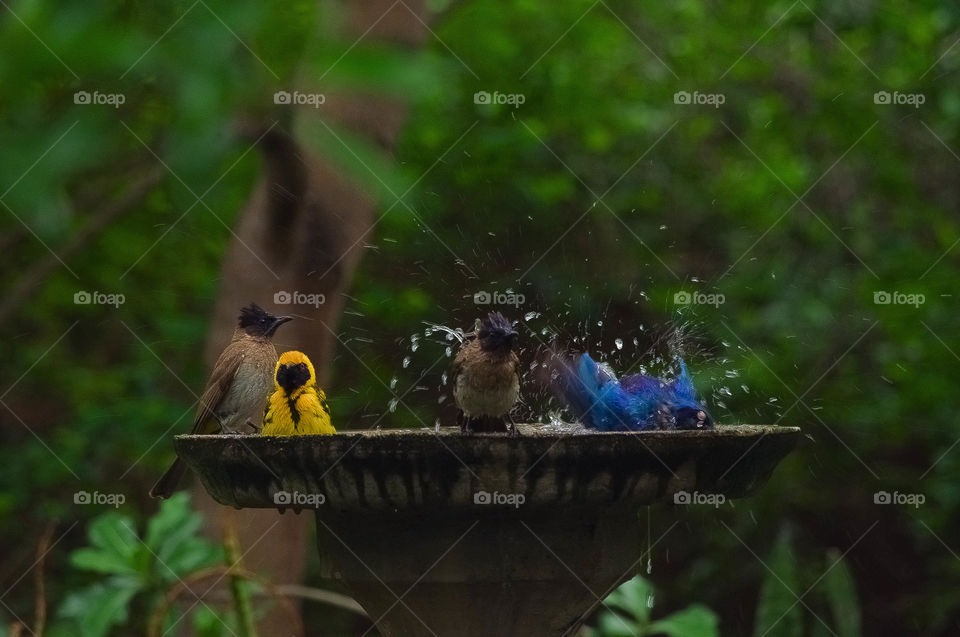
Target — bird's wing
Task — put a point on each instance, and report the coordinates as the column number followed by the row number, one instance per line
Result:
column 639, row 383
column 268, row 413
column 224, row 372
column 319, row 412
column 683, row 384
column 322, row 397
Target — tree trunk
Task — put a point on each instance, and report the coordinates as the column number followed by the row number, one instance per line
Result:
column 303, row 230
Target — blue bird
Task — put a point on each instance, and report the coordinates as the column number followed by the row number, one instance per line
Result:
column 633, row 403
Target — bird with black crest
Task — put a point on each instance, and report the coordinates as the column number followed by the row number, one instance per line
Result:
column 237, row 391
column 486, row 377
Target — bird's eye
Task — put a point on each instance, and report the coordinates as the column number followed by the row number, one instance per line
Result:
column 701, row 415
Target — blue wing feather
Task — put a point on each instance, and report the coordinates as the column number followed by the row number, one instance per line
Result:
column 633, row 403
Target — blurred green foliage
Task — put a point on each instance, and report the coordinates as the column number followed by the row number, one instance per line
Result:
column 626, row 612
column 599, row 198
column 138, row 573
column 785, row 595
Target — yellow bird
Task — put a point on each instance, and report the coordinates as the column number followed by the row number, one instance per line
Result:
column 297, row 407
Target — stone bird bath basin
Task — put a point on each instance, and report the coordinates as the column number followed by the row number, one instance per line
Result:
column 468, row 535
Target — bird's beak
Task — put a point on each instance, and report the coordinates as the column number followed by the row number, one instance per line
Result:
column 277, row 322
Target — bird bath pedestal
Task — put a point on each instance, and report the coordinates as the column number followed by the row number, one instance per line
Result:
column 480, row 535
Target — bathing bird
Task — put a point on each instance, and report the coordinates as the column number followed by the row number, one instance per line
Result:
column 486, row 377
column 297, row 406
column 238, row 388
column 633, row 403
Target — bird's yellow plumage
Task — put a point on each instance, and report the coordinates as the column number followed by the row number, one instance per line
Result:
column 297, row 406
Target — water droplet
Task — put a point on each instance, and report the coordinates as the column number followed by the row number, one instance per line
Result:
column 529, row 316
column 443, row 378
column 619, row 343
column 436, row 426
column 406, row 362
column 650, row 600
column 448, row 351
column 599, row 323
column 393, row 404
column 663, row 227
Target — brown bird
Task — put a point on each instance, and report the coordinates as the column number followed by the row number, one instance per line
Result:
column 486, row 377
column 239, row 386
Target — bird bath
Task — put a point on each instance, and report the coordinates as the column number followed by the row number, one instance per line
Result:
column 439, row 533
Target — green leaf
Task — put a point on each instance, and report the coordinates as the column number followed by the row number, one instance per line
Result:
column 693, row 621
column 208, row 623
column 99, row 607
column 613, row 624
column 171, row 535
column 778, row 614
column 842, row 595
column 115, row 546
column 192, row 554
column 171, row 525
column 632, row 597
column 101, row 562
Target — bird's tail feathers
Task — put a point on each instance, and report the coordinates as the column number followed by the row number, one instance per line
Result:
column 683, row 385
column 587, row 388
column 168, row 481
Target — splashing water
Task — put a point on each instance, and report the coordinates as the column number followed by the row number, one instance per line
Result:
column 429, row 351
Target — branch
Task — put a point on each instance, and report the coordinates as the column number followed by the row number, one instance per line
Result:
column 238, row 588
column 40, row 602
column 156, row 620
